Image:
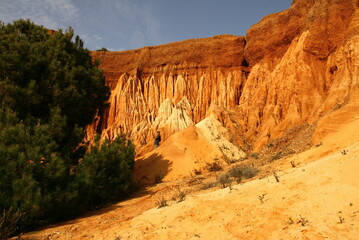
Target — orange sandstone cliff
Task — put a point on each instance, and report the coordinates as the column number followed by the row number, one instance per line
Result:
column 173, row 86
column 292, row 68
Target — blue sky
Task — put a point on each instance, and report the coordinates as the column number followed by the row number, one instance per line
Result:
column 131, row 24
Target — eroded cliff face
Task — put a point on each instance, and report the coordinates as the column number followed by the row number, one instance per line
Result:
column 317, row 73
column 293, row 68
column 172, row 86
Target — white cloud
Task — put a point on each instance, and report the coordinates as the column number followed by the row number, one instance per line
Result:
column 97, row 37
column 49, row 13
column 105, row 23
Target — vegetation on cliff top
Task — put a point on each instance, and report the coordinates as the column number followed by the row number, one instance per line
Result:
column 50, row 89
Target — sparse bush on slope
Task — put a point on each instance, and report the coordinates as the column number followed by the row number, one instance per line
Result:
column 242, row 172
column 224, row 180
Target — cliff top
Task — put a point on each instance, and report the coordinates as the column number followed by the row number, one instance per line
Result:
column 216, row 51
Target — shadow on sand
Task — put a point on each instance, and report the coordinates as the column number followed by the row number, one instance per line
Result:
column 152, row 169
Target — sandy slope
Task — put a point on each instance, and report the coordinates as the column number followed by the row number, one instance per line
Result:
column 319, row 199
column 189, row 149
column 321, row 193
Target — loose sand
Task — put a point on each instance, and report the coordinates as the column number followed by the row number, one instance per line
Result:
column 188, row 150
column 318, row 199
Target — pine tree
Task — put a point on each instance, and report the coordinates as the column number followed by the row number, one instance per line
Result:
column 105, row 172
column 50, row 89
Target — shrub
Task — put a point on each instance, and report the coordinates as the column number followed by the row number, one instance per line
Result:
column 242, row 172
column 106, row 171
column 224, row 180
column 34, row 175
column 179, row 196
column 249, row 172
column 236, row 173
column 102, row 49
column 8, row 222
column 162, row 202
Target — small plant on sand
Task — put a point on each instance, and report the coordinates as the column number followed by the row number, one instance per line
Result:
column 276, row 176
column 261, row 197
column 224, row 180
column 302, row 221
column 254, row 155
column 341, row 219
column 344, row 152
column 162, row 202
column 179, row 196
column 294, row 164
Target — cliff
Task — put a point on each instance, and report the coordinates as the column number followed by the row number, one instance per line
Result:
column 313, row 73
column 172, row 86
column 292, row 68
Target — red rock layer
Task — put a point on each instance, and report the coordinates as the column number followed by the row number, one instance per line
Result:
column 219, row 51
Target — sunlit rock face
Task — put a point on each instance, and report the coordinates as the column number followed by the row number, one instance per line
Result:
column 293, row 67
column 304, row 65
column 170, row 87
